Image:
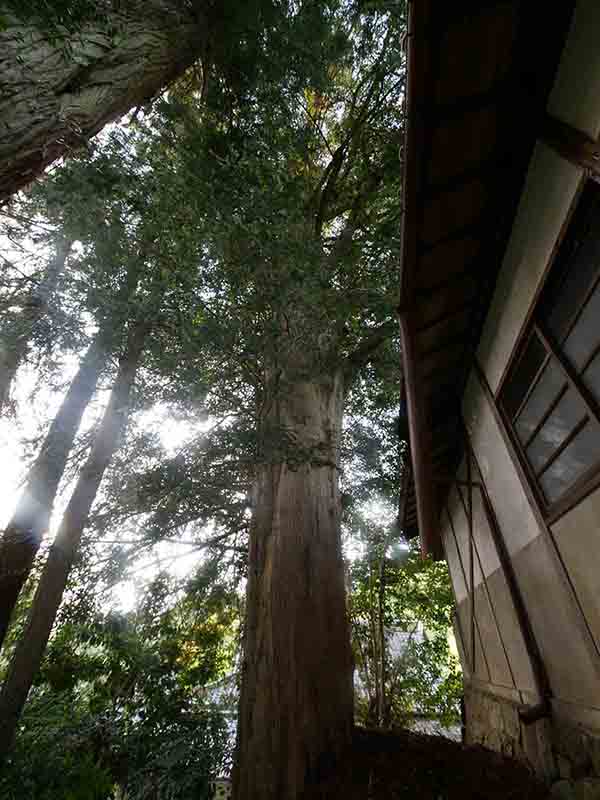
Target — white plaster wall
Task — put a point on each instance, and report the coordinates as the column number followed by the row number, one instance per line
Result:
column 517, row 521
column 482, row 534
column 460, row 523
column 550, row 188
column 575, row 97
column 549, row 191
column 551, row 593
column 566, row 646
column 454, row 565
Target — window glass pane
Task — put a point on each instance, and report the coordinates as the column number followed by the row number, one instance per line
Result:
column 567, row 414
column 548, row 386
column 523, row 376
column 576, row 265
column 547, row 412
column 579, row 456
column 581, row 271
column 586, row 333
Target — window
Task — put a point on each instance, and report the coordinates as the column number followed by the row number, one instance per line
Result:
column 551, row 395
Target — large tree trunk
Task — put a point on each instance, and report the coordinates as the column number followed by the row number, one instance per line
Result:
column 15, row 338
column 56, row 94
column 296, row 699
column 24, row 533
column 30, row 648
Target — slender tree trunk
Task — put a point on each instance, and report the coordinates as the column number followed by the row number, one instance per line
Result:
column 374, row 709
column 55, row 94
column 382, row 710
column 24, row 533
column 30, row 649
column 296, row 699
column 14, row 343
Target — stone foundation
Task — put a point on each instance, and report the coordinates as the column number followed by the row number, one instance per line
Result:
column 495, row 723
column 563, row 755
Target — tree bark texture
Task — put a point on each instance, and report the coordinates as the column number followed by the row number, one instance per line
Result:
column 14, row 343
column 57, row 94
column 23, row 534
column 30, row 648
column 296, row 698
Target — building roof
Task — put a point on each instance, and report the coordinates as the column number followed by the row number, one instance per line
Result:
column 479, row 75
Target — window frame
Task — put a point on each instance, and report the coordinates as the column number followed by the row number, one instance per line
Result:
column 589, row 479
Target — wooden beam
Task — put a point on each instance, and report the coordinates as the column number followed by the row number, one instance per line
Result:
column 413, row 146
column 469, row 272
column 472, row 230
column 572, row 144
column 445, row 374
column 404, row 503
column 499, row 93
column 452, row 342
column 412, row 164
column 420, row 440
column 449, row 16
column 449, row 313
column 487, row 170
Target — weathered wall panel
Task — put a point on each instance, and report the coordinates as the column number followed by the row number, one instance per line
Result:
column 490, row 561
column 460, row 525
column 517, row 521
column 557, row 570
column 577, row 535
column 481, row 666
column 462, row 652
column 454, row 565
column 498, row 666
column 557, row 624
column 512, row 636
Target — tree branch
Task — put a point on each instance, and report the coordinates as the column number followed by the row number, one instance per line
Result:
column 369, row 345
